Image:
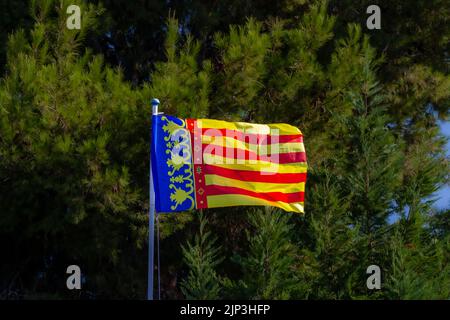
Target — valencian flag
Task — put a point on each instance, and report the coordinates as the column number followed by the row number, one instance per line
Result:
column 203, row 163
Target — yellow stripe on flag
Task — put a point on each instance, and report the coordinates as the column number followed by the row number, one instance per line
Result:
column 273, row 148
column 229, row 200
column 248, row 127
column 212, row 179
column 265, row 167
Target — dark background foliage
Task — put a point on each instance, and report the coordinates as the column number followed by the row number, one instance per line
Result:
column 74, row 142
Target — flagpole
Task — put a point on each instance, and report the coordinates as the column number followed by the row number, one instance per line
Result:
column 151, row 220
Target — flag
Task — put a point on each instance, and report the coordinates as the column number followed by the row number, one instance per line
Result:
column 204, row 163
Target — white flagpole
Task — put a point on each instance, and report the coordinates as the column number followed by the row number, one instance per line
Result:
column 151, row 221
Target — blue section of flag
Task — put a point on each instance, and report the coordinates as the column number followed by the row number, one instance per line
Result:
column 171, row 159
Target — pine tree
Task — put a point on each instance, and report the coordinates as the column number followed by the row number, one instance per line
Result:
column 268, row 267
column 180, row 82
column 369, row 158
column 418, row 273
column 74, row 137
column 202, row 257
column 330, row 251
column 240, row 70
column 72, row 150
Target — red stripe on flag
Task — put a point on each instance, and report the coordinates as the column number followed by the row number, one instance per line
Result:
column 250, row 137
column 255, row 176
column 213, row 190
column 236, row 153
column 199, row 176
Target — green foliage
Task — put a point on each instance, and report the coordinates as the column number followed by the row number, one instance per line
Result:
column 175, row 80
column 74, row 132
column 201, row 257
column 242, row 52
column 268, row 267
column 71, row 146
column 418, row 273
column 331, row 250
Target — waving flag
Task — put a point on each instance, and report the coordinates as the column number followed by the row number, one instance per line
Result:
column 204, row 163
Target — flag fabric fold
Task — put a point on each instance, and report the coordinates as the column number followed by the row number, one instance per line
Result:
column 204, row 163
